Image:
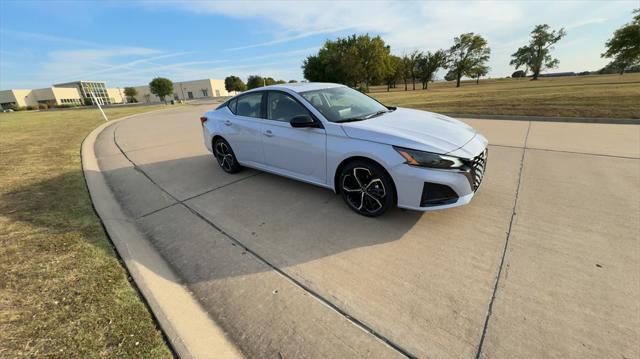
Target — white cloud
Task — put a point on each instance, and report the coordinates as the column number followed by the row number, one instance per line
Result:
column 282, row 40
column 85, row 63
column 47, row 38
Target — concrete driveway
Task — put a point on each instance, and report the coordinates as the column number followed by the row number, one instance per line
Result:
column 545, row 261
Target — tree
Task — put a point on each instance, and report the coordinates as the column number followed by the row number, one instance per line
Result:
column 478, row 71
column 537, row 54
column 352, row 60
column 412, row 65
column 375, row 61
column 468, row 51
column 293, row 81
column 161, row 87
column 234, row 83
column 624, row 46
column 255, row 81
column 406, row 71
column 429, row 63
column 130, row 93
column 394, row 72
column 337, row 61
column 521, row 58
column 313, row 68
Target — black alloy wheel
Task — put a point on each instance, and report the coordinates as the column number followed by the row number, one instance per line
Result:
column 366, row 188
column 225, row 156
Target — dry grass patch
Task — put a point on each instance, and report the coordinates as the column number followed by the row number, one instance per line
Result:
column 63, row 292
column 612, row 96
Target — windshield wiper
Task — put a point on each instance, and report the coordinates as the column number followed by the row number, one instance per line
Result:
column 375, row 114
column 351, row 119
column 366, row 117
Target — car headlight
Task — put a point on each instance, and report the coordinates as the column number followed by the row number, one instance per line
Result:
column 428, row 159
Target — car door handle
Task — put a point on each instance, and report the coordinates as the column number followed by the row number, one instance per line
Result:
column 227, row 122
column 268, row 133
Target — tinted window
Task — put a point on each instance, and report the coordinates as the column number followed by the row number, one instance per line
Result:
column 249, row 105
column 282, row 107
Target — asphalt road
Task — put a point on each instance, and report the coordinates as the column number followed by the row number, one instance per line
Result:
column 545, row 261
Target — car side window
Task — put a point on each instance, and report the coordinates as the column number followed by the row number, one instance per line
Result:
column 282, row 107
column 232, row 105
column 250, row 105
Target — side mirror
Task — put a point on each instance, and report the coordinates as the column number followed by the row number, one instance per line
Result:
column 303, row 121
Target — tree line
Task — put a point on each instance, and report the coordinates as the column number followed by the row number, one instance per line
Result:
column 361, row 61
column 234, row 83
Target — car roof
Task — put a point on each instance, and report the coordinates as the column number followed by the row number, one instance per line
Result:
column 298, row 86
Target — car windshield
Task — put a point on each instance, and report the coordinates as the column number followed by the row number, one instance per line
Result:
column 343, row 104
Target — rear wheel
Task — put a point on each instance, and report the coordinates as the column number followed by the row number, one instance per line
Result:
column 225, row 156
column 367, row 188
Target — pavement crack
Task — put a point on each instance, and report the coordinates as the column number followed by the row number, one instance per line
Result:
column 223, row 186
column 563, row 151
column 504, row 249
column 157, row 210
column 137, row 168
column 304, row 287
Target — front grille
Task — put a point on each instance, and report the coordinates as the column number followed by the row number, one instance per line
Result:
column 478, row 166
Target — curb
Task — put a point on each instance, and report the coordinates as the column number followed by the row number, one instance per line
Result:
column 188, row 327
column 613, row 121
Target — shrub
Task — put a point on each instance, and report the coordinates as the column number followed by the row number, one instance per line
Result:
column 31, row 108
column 42, row 106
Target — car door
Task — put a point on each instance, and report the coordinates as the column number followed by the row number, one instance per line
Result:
column 243, row 128
column 295, row 152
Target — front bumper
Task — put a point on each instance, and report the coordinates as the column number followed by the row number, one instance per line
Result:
column 427, row 189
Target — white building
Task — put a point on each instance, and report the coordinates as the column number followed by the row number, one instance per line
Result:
column 187, row 90
column 71, row 93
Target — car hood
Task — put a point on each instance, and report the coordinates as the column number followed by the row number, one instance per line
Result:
column 420, row 130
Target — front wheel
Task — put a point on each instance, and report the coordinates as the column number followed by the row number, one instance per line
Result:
column 367, row 188
column 225, row 156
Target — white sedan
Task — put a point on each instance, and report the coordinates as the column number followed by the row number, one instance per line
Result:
column 329, row 135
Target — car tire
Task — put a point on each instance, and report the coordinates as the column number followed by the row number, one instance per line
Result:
column 366, row 188
column 225, row 156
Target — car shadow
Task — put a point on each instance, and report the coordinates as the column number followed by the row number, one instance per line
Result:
column 283, row 222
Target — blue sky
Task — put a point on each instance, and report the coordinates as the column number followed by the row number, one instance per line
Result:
column 128, row 43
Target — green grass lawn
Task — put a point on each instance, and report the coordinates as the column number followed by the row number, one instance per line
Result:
column 611, row 96
column 63, row 291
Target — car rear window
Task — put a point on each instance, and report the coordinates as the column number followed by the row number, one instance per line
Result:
column 232, row 105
